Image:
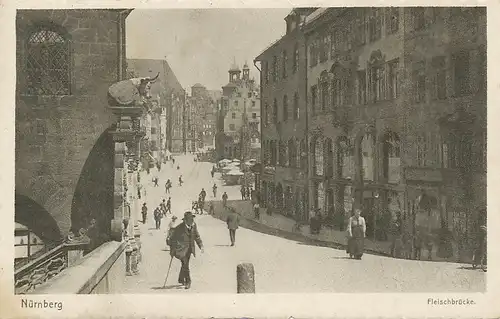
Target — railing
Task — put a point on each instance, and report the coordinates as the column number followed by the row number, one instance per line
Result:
column 44, row 267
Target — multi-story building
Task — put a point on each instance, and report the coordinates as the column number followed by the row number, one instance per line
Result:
column 240, row 116
column 204, row 116
column 397, row 116
column 284, row 135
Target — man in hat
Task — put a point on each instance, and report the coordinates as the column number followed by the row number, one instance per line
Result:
column 233, row 221
column 182, row 245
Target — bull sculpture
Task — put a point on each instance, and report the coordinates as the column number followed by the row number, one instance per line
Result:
column 130, row 92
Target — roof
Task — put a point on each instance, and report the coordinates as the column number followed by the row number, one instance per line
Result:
column 198, row 85
column 150, row 67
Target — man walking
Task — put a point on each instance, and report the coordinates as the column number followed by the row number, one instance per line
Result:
column 182, row 245
column 168, row 185
column 144, row 213
column 169, row 205
column 224, row 199
column 157, row 215
column 163, row 208
column 233, row 221
column 242, row 191
column 214, row 189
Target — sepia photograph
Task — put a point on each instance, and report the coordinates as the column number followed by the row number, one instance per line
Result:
column 250, row 151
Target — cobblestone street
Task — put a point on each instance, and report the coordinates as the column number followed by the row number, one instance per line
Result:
column 281, row 265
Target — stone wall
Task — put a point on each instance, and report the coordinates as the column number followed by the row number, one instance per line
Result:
column 55, row 134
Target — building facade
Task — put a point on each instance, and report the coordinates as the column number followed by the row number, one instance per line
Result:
column 204, row 116
column 284, row 125
column 397, row 117
column 69, row 159
column 240, row 116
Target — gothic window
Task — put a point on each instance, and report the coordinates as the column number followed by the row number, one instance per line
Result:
column 391, row 157
column 345, row 158
column 375, row 24
column 328, row 149
column 285, row 108
column 47, row 63
column 367, row 156
column 377, row 82
column 392, row 78
column 296, row 109
column 439, row 78
column 318, row 157
column 418, row 79
column 275, row 111
column 284, row 64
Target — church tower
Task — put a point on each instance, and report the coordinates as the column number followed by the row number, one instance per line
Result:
column 246, row 72
column 234, row 73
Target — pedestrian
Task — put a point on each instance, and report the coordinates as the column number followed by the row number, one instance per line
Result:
column 171, row 227
column 256, row 210
column 214, row 189
column 224, row 199
column 173, row 160
column 242, row 191
column 178, row 167
column 144, row 213
column 211, row 209
column 180, row 180
column 248, row 191
column 169, row 205
column 233, row 221
column 155, row 180
column 168, row 185
column 212, row 173
column 182, row 246
column 194, row 207
column 157, row 215
column 395, row 234
column 163, row 207
column 356, row 229
column 139, row 187
column 203, row 194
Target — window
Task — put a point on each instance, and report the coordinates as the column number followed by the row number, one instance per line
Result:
column 266, row 114
column 249, row 94
column 233, row 115
column 275, row 111
column 265, row 72
column 419, row 82
column 239, row 94
column 254, row 115
column 324, row 46
column 296, row 58
column 312, row 54
column 367, row 152
column 324, row 95
column 231, row 127
column 47, row 63
column 284, row 63
column 377, row 83
column 375, row 24
column 275, row 69
column 392, row 81
column 296, row 109
column 314, row 97
column 392, row 20
column 285, row 108
column 318, row 157
column 253, row 103
column 345, row 158
column 439, row 69
column 421, row 150
column 461, row 67
column 236, row 103
column 419, row 18
column 361, row 87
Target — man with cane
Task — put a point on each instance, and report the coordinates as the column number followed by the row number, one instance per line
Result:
column 182, row 245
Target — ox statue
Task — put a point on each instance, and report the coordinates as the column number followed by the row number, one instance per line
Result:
column 130, row 92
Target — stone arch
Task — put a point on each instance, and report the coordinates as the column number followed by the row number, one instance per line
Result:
column 94, row 193
column 390, row 156
column 38, row 220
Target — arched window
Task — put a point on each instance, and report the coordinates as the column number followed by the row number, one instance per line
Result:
column 303, row 154
column 318, row 157
column 328, row 149
column 284, row 64
column 296, row 109
column 292, row 153
column 266, row 114
column 367, row 154
column 345, row 158
column 391, row 157
column 275, row 111
column 285, row 108
column 47, row 63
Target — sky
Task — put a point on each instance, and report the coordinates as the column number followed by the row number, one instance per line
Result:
column 201, row 44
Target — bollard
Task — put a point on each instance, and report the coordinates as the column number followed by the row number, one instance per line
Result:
column 245, row 277
column 127, row 261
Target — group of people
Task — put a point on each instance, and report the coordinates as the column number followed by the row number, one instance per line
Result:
column 246, row 192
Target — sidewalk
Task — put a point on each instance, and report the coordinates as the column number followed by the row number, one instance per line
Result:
column 282, row 226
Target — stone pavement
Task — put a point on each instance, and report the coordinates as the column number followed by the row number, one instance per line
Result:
column 281, row 265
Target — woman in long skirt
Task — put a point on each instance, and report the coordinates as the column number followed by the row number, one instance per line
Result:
column 356, row 230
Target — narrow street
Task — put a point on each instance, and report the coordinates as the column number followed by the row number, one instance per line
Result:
column 281, row 265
